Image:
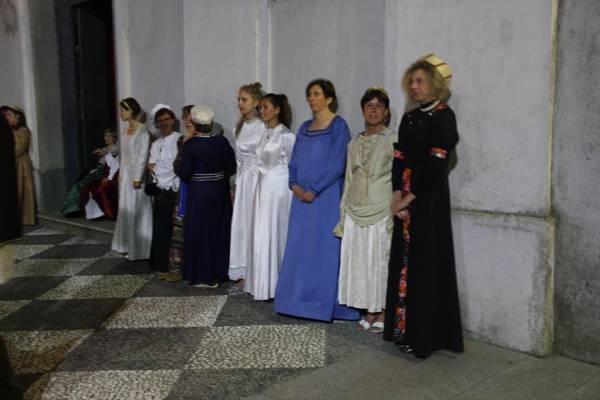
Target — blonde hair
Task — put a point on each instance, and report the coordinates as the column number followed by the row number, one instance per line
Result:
column 255, row 91
column 440, row 86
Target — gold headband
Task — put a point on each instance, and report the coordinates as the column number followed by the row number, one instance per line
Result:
column 440, row 65
column 377, row 89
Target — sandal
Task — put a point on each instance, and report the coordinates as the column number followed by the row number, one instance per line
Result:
column 363, row 325
column 376, row 327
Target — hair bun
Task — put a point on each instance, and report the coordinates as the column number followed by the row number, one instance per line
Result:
column 257, row 84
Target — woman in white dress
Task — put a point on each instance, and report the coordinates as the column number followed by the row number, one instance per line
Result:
column 248, row 132
column 273, row 197
column 133, row 230
column 365, row 218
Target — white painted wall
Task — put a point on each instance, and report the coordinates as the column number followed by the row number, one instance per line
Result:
column 341, row 40
column 149, row 46
column 225, row 47
column 11, row 67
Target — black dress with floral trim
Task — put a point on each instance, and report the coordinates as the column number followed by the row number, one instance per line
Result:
column 422, row 309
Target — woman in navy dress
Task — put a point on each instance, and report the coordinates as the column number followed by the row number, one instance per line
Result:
column 308, row 279
column 206, row 165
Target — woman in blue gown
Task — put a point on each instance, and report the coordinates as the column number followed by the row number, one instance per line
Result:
column 308, row 279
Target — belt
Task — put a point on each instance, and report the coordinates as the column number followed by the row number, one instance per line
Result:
column 209, row 177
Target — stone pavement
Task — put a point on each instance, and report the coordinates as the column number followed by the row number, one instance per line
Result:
column 81, row 322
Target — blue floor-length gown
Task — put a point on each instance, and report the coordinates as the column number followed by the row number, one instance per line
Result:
column 206, row 165
column 308, row 278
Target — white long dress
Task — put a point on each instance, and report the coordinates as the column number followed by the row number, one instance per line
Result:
column 240, row 254
column 271, row 212
column 133, row 230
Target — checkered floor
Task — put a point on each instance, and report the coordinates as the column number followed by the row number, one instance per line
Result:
column 82, row 322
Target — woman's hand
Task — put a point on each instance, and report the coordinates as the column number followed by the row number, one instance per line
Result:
column 298, row 192
column 399, row 207
column 137, row 184
column 308, row 197
column 396, row 198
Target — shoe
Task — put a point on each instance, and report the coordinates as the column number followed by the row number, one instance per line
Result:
column 376, row 327
column 206, row 285
column 173, row 277
column 405, row 348
column 363, row 325
column 235, row 290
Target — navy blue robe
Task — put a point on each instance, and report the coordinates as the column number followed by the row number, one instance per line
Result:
column 206, row 165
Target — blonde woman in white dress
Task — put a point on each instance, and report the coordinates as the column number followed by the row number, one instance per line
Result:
column 273, row 197
column 133, row 230
column 248, row 133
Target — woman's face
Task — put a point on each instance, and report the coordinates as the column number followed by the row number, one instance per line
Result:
column 268, row 112
column 187, row 120
column 11, row 118
column 419, row 87
column 246, row 103
column 316, row 99
column 374, row 112
column 124, row 114
column 165, row 123
column 109, row 139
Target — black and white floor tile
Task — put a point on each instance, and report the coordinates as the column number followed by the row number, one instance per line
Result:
column 82, row 322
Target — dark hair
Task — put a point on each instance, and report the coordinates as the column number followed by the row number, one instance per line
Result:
column 163, row 111
column 285, row 111
column 185, row 110
column 21, row 120
column 381, row 95
column 112, row 131
column 203, row 128
column 328, row 90
column 132, row 105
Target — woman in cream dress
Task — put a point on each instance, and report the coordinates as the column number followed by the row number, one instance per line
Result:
column 133, row 230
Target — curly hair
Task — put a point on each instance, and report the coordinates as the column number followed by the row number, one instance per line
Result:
column 440, row 86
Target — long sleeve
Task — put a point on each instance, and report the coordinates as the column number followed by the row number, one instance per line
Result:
column 140, row 154
column 287, row 144
column 154, row 152
column 185, row 167
column 293, row 165
column 443, row 139
column 334, row 166
column 398, row 163
column 22, row 137
column 339, row 228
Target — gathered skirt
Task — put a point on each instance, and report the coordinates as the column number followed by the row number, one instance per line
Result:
column 364, row 265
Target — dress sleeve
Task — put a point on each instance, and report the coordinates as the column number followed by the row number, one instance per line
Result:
column 339, row 228
column 141, row 155
column 185, row 165
column 335, row 165
column 22, row 137
column 443, row 139
column 287, row 145
column 153, row 152
column 292, row 165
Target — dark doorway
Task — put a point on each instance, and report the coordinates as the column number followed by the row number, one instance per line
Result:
column 94, row 51
column 87, row 79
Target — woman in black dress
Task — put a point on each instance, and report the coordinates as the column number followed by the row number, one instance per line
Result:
column 422, row 312
column 207, row 163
